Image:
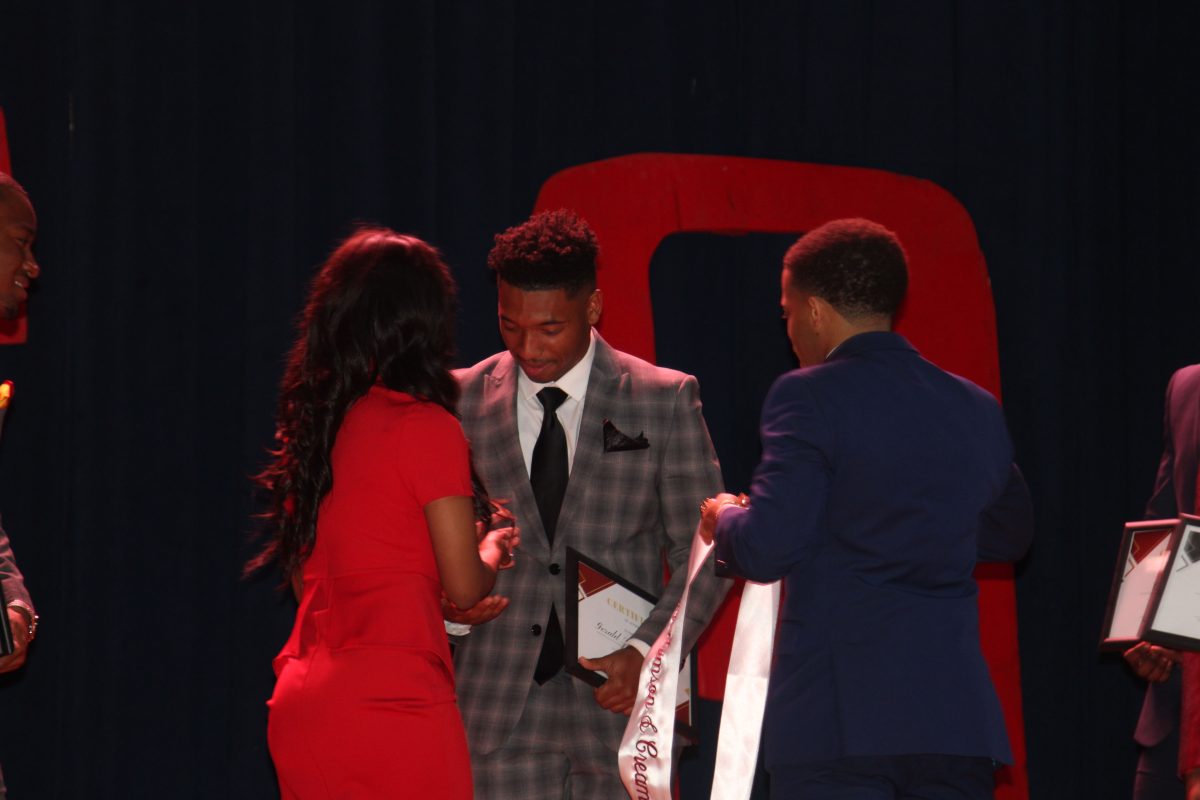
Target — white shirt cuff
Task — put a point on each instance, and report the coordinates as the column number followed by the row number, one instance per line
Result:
column 456, row 628
column 640, row 646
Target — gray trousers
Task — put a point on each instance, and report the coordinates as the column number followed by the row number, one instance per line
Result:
column 551, row 754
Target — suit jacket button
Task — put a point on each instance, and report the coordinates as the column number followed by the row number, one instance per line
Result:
column 555, row 569
column 535, row 629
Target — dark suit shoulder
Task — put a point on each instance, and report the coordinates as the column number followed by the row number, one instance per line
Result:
column 810, row 387
column 807, row 384
column 794, row 380
column 819, row 378
column 844, row 377
column 980, row 394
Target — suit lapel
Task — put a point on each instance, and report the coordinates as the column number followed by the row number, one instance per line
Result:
column 504, row 451
column 598, row 404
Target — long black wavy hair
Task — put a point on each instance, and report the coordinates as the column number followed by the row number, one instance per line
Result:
column 381, row 309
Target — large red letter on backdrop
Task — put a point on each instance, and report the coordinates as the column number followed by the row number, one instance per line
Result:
column 634, row 202
column 11, row 331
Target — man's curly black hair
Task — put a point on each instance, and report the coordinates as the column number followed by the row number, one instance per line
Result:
column 551, row 250
column 855, row 265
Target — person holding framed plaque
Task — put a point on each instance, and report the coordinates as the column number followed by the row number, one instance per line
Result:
column 883, row 481
column 1169, row 750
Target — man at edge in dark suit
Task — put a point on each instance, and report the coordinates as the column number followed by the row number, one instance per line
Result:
column 883, row 480
column 1169, row 747
column 18, row 268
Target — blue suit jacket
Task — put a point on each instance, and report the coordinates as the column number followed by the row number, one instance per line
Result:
column 883, row 480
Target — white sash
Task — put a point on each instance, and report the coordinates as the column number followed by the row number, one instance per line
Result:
column 645, row 753
column 746, row 692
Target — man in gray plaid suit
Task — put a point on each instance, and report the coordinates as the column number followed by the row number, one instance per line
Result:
column 636, row 464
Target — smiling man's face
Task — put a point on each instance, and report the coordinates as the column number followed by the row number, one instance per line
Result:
column 18, row 268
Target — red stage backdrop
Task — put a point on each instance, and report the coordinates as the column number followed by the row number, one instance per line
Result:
column 11, row 331
column 634, row 202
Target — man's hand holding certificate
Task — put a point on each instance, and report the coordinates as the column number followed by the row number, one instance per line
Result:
column 607, row 612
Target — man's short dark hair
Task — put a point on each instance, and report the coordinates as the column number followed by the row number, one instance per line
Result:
column 551, row 250
column 855, row 265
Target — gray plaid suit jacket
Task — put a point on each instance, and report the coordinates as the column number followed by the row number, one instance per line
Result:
column 622, row 508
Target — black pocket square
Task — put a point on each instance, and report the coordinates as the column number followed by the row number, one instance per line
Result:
column 615, row 441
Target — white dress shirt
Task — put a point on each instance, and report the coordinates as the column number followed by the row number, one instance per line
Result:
column 570, row 413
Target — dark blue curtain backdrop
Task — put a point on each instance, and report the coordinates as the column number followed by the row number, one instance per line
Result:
column 193, row 162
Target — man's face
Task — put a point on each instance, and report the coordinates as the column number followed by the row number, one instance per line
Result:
column 18, row 227
column 547, row 331
column 801, row 332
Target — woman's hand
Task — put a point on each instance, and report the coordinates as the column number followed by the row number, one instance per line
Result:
column 466, row 566
column 497, row 547
column 500, row 516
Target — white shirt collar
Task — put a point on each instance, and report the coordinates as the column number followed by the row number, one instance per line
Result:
column 574, row 382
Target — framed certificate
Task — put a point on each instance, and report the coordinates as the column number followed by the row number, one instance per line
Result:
column 1173, row 618
column 1145, row 548
column 606, row 613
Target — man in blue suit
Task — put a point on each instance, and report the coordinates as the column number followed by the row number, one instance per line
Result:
column 883, row 480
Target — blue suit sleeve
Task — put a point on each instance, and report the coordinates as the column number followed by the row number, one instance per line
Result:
column 1006, row 526
column 780, row 529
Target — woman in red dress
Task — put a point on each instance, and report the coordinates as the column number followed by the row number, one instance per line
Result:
column 374, row 515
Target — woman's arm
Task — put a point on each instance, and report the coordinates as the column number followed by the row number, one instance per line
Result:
column 466, row 565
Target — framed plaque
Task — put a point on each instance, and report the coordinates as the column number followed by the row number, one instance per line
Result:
column 606, row 613
column 1173, row 619
column 1145, row 548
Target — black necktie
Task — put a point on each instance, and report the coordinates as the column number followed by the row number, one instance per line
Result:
column 548, row 467
column 548, row 475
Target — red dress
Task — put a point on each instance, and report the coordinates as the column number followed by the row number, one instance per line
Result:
column 364, row 694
